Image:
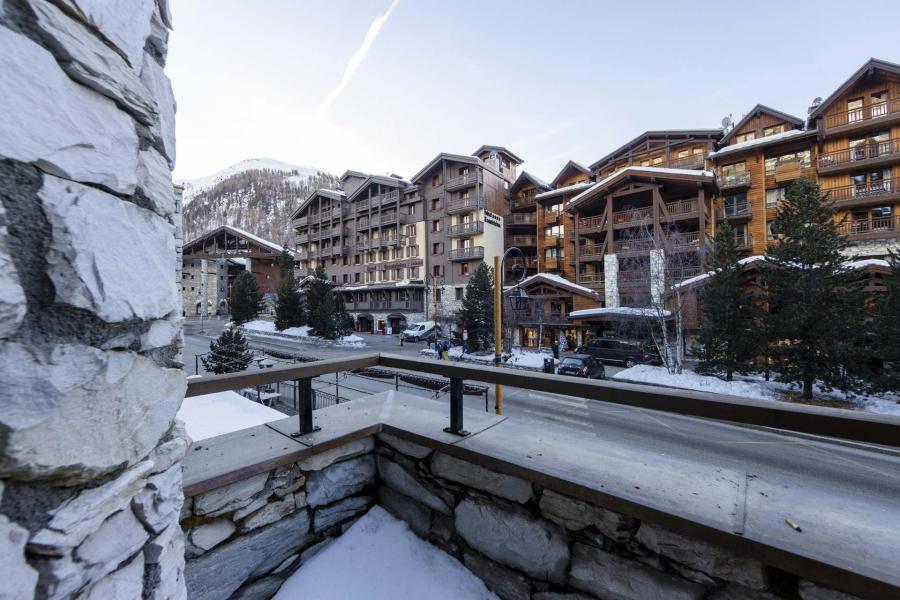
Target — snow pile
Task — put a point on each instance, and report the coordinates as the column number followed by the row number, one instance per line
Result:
column 379, row 558
column 619, row 311
column 351, row 341
column 223, row 412
column 690, row 380
column 302, row 333
column 528, row 360
column 456, row 353
column 265, row 326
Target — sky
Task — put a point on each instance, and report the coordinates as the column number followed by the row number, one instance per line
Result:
column 385, row 85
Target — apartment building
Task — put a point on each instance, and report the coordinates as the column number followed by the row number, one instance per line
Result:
column 402, row 251
column 521, row 223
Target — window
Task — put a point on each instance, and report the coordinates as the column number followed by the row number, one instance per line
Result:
column 356, row 277
column 854, row 110
column 459, row 293
column 868, row 182
column 346, row 278
column 435, row 180
column 770, row 233
column 192, row 288
column 464, row 194
column 436, row 225
column 437, row 248
column 802, row 157
column 356, row 259
column 745, row 137
column 464, row 268
column 774, row 196
column 645, row 163
column 741, row 236
column 334, row 278
column 734, row 172
column 463, row 171
column 698, row 150
column 657, row 160
column 436, row 270
column 773, row 130
column 437, row 295
column 345, row 261
column 736, row 204
column 413, row 272
column 684, row 153
column 435, row 204
column 879, row 104
column 412, row 251
column 411, row 209
column 555, row 231
column 554, row 253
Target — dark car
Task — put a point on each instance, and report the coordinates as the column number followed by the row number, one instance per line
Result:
column 582, row 365
column 626, row 352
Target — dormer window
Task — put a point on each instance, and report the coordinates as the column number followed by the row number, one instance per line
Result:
column 745, row 137
column 773, row 130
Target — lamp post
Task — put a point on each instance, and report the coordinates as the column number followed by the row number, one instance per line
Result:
column 498, row 315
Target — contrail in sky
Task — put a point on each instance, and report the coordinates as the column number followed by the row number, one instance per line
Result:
column 356, row 60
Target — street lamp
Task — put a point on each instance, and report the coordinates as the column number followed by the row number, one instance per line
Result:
column 520, row 271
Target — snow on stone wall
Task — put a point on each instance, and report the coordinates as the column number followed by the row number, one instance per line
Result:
column 90, row 319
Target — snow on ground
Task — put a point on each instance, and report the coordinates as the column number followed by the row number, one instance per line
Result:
column 223, row 412
column 456, row 353
column 352, row 341
column 379, row 558
column 751, row 386
column 266, row 326
column 528, row 360
column 260, row 326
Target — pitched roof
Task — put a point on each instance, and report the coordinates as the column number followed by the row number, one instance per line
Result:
column 463, row 158
column 328, row 193
column 575, row 187
column 276, row 248
column 487, row 148
column 871, row 65
column 686, row 133
column 570, row 166
column 769, row 140
column 756, row 111
column 525, row 178
column 558, row 281
column 382, row 179
column 646, row 172
column 349, row 173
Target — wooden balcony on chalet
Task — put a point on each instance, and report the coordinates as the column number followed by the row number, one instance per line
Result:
column 864, row 194
column 462, row 181
column 632, row 217
column 362, row 204
column 471, row 253
column 461, row 205
column 527, row 241
column 744, row 243
column 591, row 280
column 735, row 211
column 694, row 161
column 738, row 181
column 523, row 218
column 301, row 222
column 529, row 262
column 589, row 225
column 872, row 229
column 591, row 252
column 302, row 238
column 863, row 156
column 788, row 171
column 537, row 314
column 466, row 229
column 874, row 115
column 526, row 201
column 552, row 217
column 553, row 264
column 634, row 278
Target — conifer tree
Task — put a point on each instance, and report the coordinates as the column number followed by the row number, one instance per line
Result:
column 477, row 312
column 246, row 299
column 289, row 304
column 227, row 354
column 815, row 313
column 321, row 306
column 726, row 337
column 343, row 320
column 887, row 329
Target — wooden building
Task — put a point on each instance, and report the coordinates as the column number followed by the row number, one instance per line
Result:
column 521, row 222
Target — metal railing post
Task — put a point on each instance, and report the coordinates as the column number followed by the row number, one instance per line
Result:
column 305, row 406
column 456, row 408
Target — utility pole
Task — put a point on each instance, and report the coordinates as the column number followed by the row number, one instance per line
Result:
column 498, row 312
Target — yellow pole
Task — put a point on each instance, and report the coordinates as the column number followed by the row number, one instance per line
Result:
column 498, row 298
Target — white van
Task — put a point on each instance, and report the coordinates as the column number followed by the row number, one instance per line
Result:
column 419, row 331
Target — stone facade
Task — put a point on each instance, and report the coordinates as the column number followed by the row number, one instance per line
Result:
column 244, row 539
column 90, row 320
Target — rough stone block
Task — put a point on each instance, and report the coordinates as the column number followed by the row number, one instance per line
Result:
column 575, row 514
column 608, row 576
column 125, row 23
column 472, row 475
column 207, row 536
column 395, row 476
column 506, row 583
column 159, row 503
column 339, row 480
column 558, row 596
column 251, row 508
column 326, row 516
column 416, row 515
column 404, row 446
column 64, row 127
column 118, row 538
column 93, row 235
column 320, row 461
column 12, row 296
column 164, row 128
column 261, row 589
column 811, row 591
column 230, row 497
column 127, row 582
column 514, row 538
column 287, row 480
column 164, row 558
column 19, row 578
column 172, row 451
column 707, row 558
column 269, row 513
column 217, row 574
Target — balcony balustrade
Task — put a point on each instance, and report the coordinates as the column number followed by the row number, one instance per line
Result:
column 864, row 115
column 681, row 208
column 632, row 216
column 521, row 219
column 462, row 182
column 735, row 210
column 694, row 161
column 856, row 192
column 591, row 279
column 461, row 205
column 590, row 252
column 471, row 253
column 466, row 229
column 591, row 224
column 734, row 181
column 744, row 242
column 301, row 222
column 862, row 155
column 878, row 227
column 521, row 240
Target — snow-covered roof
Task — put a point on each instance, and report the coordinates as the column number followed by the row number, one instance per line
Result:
column 619, row 311
column 646, row 171
column 380, row 286
column 784, row 136
column 564, row 190
column 554, row 279
column 257, row 239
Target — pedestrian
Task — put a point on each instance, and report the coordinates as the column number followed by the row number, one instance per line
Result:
column 438, row 347
column 402, row 338
column 555, row 347
column 432, row 339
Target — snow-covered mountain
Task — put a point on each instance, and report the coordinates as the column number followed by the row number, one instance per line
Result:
column 257, row 195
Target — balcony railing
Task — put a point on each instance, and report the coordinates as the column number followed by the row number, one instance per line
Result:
column 634, row 245
column 460, row 205
column 472, row 253
column 744, row 242
column 465, row 229
column 362, row 204
column 874, row 228
column 301, row 222
column 863, row 152
column 634, row 215
column 687, row 240
column 681, row 207
column 461, row 182
column 529, row 262
column 591, row 279
column 860, row 191
column 521, row 219
column 528, row 200
column 409, row 240
column 302, row 238
column 552, row 216
column 738, row 180
column 735, row 210
column 694, row 161
column 363, row 245
column 590, row 251
column 863, row 114
column 587, row 224
column 521, row 240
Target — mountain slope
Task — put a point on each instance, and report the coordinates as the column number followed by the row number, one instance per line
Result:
column 256, row 195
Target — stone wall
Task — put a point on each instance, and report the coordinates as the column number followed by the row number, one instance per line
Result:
column 90, row 474
column 244, row 539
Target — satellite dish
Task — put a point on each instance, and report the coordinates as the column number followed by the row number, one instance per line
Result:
column 726, row 122
column 817, row 101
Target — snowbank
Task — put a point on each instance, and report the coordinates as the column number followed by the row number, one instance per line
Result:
column 267, row 326
column 528, row 360
column 301, row 334
column 223, row 412
column 379, row 558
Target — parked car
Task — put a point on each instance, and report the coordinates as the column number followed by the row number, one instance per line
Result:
column 419, row 331
column 582, row 365
column 626, row 352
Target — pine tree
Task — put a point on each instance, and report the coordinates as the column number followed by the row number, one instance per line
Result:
column 477, row 312
column 246, row 299
column 343, row 320
column 228, row 354
column 727, row 340
column 321, row 306
column 815, row 313
column 887, row 330
column 289, row 305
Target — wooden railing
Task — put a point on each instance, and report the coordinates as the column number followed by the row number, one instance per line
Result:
column 590, row 279
column 866, row 151
column 587, row 223
column 590, row 251
column 862, row 114
column 690, row 239
column 681, row 207
column 862, row 190
column 877, row 225
column 735, row 210
column 634, row 245
column 521, row 240
column 733, row 181
column 694, row 161
column 634, row 215
column 521, row 219
column 744, row 242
